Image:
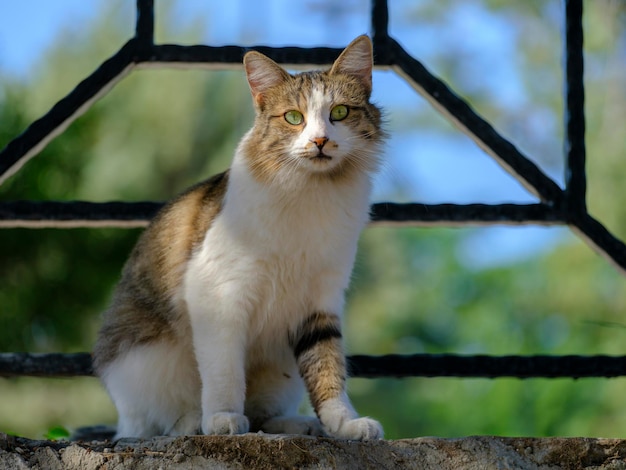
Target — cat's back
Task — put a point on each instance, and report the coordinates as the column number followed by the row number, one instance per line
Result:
column 177, row 229
column 168, row 242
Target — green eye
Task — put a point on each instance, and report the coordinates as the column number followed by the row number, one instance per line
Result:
column 339, row 112
column 294, row 117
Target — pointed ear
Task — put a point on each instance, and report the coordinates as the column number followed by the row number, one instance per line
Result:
column 263, row 73
column 358, row 60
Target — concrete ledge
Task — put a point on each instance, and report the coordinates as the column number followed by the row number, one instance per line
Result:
column 259, row 451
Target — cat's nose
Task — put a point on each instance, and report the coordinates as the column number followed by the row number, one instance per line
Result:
column 320, row 142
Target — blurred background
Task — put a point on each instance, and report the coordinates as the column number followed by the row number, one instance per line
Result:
column 493, row 290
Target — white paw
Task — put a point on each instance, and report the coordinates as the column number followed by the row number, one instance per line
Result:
column 340, row 420
column 358, row 429
column 294, row 425
column 226, row 423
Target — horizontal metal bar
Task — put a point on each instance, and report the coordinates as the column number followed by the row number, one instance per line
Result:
column 482, row 366
column 415, row 214
column 72, row 214
column 226, row 57
column 392, row 365
column 43, row 214
column 45, row 365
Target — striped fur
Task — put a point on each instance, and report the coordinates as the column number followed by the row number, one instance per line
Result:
column 320, row 357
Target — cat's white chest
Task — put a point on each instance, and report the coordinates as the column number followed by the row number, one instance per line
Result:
column 270, row 260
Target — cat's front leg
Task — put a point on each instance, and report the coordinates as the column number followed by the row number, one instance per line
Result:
column 219, row 345
column 321, row 362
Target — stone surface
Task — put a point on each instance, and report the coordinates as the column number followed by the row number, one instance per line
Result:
column 259, row 451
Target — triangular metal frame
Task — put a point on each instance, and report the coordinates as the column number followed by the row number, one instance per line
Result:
column 557, row 206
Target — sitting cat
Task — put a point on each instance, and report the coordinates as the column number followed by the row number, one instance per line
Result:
column 230, row 305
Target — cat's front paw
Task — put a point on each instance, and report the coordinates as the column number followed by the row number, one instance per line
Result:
column 359, row 429
column 340, row 420
column 225, row 423
column 294, row 425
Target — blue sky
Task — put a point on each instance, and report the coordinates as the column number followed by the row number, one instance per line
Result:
column 429, row 165
column 28, row 26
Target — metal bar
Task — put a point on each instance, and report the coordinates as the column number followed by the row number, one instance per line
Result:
column 50, row 214
column 45, row 365
column 380, row 19
column 450, row 365
column 226, row 57
column 413, row 214
column 392, row 365
column 144, row 29
column 575, row 206
column 380, row 32
column 601, row 240
column 559, row 206
column 575, row 177
column 231, row 56
column 460, row 113
column 63, row 113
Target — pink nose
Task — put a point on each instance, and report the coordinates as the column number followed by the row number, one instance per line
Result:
column 320, row 142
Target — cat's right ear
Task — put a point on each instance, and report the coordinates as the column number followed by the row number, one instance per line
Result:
column 263, row 73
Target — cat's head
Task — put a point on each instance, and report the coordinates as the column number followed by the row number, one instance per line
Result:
column 318, row 123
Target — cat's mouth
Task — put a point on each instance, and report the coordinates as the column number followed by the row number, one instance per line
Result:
column 321, row 157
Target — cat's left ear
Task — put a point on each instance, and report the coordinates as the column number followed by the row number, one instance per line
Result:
column 263, row 73
column 357, row 60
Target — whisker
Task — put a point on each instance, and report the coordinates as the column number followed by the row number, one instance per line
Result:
column 372, row 133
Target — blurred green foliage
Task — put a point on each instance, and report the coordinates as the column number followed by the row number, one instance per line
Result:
column 57, row 433
column 161, row 130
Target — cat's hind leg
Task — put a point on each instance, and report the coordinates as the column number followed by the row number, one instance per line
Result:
column 155, row 389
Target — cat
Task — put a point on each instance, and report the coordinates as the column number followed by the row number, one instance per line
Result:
column 229, row 307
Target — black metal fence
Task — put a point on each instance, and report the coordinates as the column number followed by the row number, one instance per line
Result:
column 557, row 206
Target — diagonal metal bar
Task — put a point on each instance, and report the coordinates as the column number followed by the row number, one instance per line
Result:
column 601, row 240
column 460, row 113
column 63, row 113
column 575, row 177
